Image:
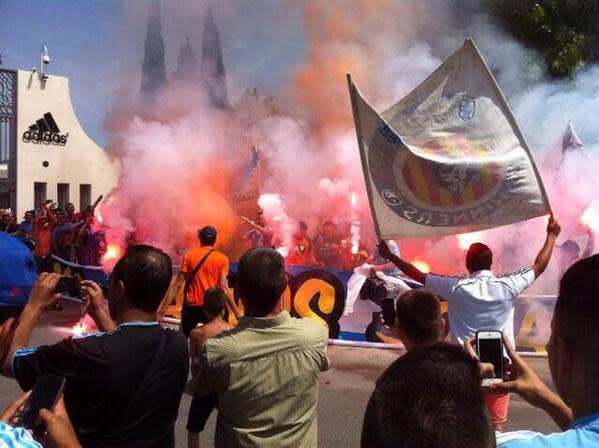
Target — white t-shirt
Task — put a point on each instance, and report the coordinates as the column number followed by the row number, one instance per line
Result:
column 480, row 301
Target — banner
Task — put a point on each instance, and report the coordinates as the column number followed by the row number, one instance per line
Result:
column 64, row 267
column 448, row 158
column 323, row 295
column 311, row 292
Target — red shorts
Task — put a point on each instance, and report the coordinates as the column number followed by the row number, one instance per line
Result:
column 497, row 404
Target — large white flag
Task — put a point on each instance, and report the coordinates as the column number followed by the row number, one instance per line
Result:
column 448, row 158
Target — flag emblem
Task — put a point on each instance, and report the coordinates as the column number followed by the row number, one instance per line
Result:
column 467, row 109
column 450, row 182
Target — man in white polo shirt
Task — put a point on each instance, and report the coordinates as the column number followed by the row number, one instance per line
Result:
column 482, row 301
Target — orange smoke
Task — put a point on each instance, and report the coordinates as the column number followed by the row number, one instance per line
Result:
column 346, row 38
column 179, row 158
column 209, row 205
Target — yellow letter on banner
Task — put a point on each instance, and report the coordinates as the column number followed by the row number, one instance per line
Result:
column 305, row 293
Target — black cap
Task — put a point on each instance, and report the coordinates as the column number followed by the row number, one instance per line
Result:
column 207, row 233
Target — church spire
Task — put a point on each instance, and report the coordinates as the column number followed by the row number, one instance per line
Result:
column 211, row 64
column 153, row 72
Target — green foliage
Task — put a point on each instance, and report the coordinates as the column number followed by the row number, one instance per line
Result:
column 559, row 30
column 566, row 54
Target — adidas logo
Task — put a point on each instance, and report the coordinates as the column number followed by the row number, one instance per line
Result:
column 45, row 130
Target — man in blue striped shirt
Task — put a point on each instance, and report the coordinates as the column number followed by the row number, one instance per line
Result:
column 573, row 351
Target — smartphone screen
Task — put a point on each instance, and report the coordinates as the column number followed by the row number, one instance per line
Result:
column 490, row 350
column 388, row 307
column 45, row 394
column 68, row 286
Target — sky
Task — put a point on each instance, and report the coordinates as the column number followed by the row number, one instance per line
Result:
column 98, row 45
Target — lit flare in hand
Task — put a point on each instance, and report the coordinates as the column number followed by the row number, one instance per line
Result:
column 421, row 265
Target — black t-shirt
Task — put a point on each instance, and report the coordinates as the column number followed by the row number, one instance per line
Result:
column 122, row 389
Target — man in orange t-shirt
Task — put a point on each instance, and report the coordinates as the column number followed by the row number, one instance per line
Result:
column 212, row 272
column 301, row 246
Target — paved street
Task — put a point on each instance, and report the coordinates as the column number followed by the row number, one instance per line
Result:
column 344, row 390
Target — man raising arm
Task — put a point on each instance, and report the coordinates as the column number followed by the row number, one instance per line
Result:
column 539, row 266
column 544, row 255
column 407, row 268
column 482, row 300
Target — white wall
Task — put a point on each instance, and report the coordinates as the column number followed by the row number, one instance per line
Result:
column 79, row 161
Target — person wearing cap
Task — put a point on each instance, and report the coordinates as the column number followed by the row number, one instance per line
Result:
column 202, row 268
column 17, row 275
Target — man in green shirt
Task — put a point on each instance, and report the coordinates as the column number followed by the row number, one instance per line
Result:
column 264, row 371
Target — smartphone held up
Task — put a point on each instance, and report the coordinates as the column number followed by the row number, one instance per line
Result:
column 69, row 285
column 489, row 346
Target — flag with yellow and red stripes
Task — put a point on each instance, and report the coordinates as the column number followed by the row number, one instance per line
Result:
column 448, row 158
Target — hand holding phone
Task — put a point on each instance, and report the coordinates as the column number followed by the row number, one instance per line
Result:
column 489, row 346
column 59, row 429
column 44, row 293
column 46, row 392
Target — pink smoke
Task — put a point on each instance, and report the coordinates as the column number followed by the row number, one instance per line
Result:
column 182, row 159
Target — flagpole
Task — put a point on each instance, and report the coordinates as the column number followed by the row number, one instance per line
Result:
column 356, row 115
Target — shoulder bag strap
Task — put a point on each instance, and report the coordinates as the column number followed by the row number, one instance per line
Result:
column 192, row 274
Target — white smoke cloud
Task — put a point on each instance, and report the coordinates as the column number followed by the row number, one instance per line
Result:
column 180, row 157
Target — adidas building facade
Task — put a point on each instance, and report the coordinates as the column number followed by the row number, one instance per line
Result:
column 44, row 152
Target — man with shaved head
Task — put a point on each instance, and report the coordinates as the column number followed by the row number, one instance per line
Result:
column 480, row 300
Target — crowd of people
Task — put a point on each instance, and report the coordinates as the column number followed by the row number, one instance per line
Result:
column 77, row 237
column 261, row 376
column 70, row 235
column 332, row 248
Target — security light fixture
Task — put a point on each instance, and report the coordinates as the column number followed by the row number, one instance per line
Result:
column 44, row 59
